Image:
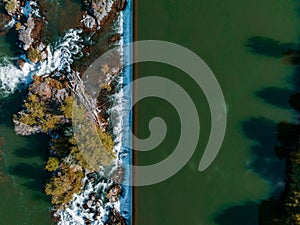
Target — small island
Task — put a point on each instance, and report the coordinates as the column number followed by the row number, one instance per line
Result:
column 79, row 191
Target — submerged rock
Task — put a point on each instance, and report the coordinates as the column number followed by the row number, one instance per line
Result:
column 89, row 203
column 31, row 34
column 97, row 216
column 117, row 175
column 5, row 23
column 100, row 9
column 114, row 38
column 114, row 192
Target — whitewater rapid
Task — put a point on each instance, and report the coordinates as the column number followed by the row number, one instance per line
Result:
column 75, row 214
column 60, row 57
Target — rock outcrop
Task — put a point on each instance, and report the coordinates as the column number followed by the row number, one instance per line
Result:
column 115, row 218
column 25, row 33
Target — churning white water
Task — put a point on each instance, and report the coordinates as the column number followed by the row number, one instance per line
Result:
column 60, row 57
column 75, row 214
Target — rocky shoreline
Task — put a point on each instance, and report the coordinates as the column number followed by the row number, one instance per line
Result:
column 48, row 109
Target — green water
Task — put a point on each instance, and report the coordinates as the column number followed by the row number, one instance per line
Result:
column 241, row 41
column 22, row 177
column 22, row 174
column 256, row 85
column 23, row 201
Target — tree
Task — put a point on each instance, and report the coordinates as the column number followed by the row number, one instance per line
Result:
column 52, row 164
column 11, row 6
column 34, row 55
column 63, row 186
column 67, row 107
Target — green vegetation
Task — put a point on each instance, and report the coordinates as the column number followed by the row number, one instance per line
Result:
column 106, row 141
column 67, row 180
column 73, row 151
column 52, row 164
column 95, row 146
column 92, row 150
column 11, row 6
column 67, row 107
column 18, row 26
column 34, row 55
column 65, row 184
column 37, row 114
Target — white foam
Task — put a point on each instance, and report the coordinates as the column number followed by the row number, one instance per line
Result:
column 31, row 7
column 60, row 55
column 10, row 76
column 10, row 24
column 74, row 214
column 60, row 58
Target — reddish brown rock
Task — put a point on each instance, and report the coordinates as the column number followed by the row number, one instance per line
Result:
column 121, row 5
column 114, row 38
column 118, row 175
column 21, row 63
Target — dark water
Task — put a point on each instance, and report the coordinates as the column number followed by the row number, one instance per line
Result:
column 242, row 42
column 61, row 16
column 22, row 174
column 23, row 200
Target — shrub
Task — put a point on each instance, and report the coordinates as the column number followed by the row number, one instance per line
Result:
column 63, row 186
column 18, row 26
column 11, row 6
column 52, row 164
column 34, row 55
column 67, row 107
column 37, row 114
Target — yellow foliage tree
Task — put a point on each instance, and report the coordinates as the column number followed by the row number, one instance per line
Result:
column 52, row 164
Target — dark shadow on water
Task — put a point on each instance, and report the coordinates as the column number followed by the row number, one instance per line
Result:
column 264, row 161
column 294, row 101
column 264, row 133
column 276, row 96
column 37, row 147
column 268, row 212
column 10, row 105
column 268, row 46
column 246, row 214
column 34, row 175
column 12, row 39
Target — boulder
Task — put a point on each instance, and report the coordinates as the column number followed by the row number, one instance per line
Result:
column 25, row 33
column 89, row 203
column 21, row 63
column 121, row 4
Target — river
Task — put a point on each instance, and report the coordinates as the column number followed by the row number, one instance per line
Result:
column 23, row 177
column 242, row 42
column 22, row 173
